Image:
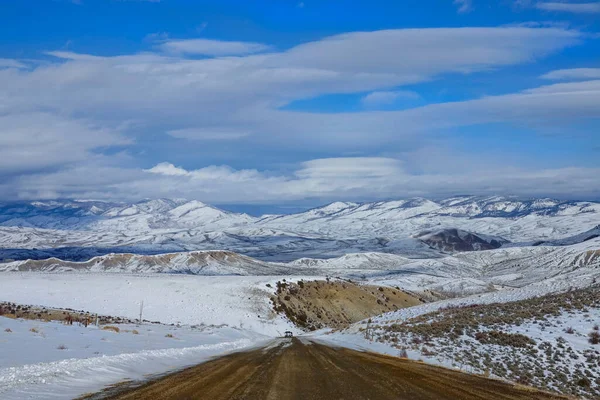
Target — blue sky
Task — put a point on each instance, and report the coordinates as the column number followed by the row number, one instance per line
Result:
column 268, row 104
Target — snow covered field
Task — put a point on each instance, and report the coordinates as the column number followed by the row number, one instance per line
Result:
column 49, row 360
column 236, row 301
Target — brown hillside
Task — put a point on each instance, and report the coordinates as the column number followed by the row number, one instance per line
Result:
column 319, row 304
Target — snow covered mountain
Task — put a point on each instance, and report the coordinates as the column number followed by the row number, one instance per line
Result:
column 467, row 272
column 79, row 229
column 511, row 219
column 140, row 217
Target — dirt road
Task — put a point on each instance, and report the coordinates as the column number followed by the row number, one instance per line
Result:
column 295, row 369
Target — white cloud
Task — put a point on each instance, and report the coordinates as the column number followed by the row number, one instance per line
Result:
column 381, row 98
column 216, row 133
column 34, row 141
column 209, row 47
column 417, row 54
column 550, row 105
column 579, row 8
column 232, row 96
column 464, row 6
column 168, row 169
column 91, row 102
column 213, row 172
column 10, row 63
column 349, row 168
column 362, row 178
column 573, row 74
column 215, row 91
column 584, row 88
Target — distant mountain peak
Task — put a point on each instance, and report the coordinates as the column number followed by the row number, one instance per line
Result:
column 336, row 206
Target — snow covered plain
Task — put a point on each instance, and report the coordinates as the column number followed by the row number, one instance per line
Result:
column 49, row 360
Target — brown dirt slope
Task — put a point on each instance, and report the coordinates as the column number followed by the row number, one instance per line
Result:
column 318, row 304
column 313, row 371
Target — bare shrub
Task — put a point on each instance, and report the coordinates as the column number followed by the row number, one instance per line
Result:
column 594, row 337
column 62, row 347
column 427, row 353
column 34, row 330
column 584, row 382
column 169, row 335
column 8, row 330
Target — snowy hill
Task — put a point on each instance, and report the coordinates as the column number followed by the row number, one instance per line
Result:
column 452, row 240
column 194, row 263
column 142, row 216
column 582, row 237
column 89, row 228
column 458, row 274
column 514, row 220
column 497, row 206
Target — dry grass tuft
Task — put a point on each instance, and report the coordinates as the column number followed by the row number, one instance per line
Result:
column 111, row 328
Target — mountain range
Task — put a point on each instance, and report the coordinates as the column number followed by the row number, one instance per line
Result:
column 414, row 228
column 459, row 274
